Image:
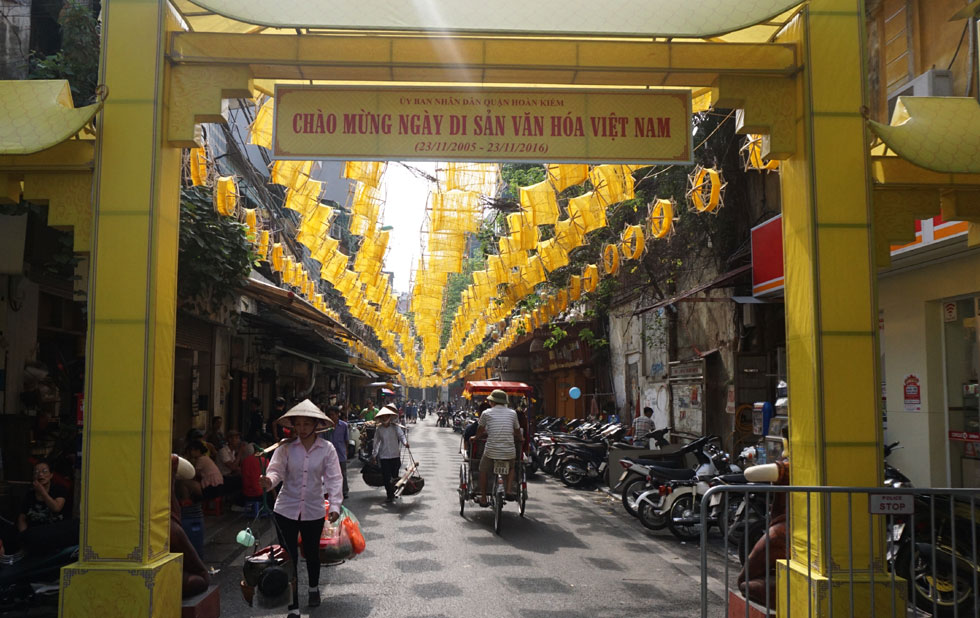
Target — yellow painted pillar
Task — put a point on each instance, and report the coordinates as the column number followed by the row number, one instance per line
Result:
column 125, row 566
column 831, row 324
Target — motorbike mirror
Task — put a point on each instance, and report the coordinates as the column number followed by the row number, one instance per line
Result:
column 763, row 473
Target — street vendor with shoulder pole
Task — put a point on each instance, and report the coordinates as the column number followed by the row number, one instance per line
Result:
column 388, row 439
column 308, row 469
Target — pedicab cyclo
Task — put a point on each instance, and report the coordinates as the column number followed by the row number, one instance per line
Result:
column 497, row 450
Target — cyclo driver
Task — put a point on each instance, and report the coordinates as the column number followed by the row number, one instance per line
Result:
column 502, row 430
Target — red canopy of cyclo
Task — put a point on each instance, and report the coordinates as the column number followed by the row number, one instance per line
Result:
column 485, row 387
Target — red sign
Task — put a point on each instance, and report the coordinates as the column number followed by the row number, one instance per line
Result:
column 913, row 400
column 767, row 257
column 965, row 436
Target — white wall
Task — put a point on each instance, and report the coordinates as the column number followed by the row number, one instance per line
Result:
column 15, row 38
column 912, row 345
column 626, row 342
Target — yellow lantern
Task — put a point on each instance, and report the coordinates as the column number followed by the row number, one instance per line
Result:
column 662, row 218
column 633, row 244
column 752, row 155
column 705, row 192
column 574, row 287
column 199, row 167
column 276, row 258
column 590, row 278
column 610, row 259
column 226, row 195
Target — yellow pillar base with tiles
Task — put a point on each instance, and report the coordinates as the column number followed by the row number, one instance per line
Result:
column 125, row 566
column 831, row 327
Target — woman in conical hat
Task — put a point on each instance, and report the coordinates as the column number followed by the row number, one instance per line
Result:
column 308, row 468
column 388, row 437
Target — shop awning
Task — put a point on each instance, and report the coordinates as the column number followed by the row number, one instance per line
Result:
column 348, row 368
column 38, row 114
column 720, row 281
column 485, row 387
column 676, row 18
column 938, row 133
column 295, row 306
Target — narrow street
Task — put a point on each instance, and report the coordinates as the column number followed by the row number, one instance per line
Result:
column 575, row 553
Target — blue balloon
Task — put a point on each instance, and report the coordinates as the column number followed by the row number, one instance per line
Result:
column 574, row 392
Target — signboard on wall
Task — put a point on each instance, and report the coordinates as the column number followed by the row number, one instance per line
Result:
column 325, row 122
column 949, row 311
column 767, row 257
column 767, row 249
column 687, row 394
column 912, row 393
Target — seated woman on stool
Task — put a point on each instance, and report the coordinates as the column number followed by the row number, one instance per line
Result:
column 43, row 524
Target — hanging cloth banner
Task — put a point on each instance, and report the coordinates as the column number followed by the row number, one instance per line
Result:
column 546, row 126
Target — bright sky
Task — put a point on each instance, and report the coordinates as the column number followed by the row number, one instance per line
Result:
column 404, row 212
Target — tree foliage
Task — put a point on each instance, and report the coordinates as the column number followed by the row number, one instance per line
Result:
column 78, row 59
column 215, row 253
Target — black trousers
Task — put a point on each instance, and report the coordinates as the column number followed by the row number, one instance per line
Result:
column 389, row 472
column 288, row 530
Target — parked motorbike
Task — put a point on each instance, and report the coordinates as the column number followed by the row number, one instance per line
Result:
column 668, row 486
column 33, row 581
column 587, row 461
column 934, row 550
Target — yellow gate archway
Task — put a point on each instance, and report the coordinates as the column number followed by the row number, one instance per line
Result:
column 797, row 78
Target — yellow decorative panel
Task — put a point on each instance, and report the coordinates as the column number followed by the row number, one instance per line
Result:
column 843, row 191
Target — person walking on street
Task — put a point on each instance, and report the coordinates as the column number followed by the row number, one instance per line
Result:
column 308, row 469
column 369, row 411
column 275, row 428
column 339, row 438
column 503, row 432
column 256, row 422
column 388, row 438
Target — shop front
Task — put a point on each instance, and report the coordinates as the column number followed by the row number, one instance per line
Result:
column 962, row 356
column 929, row 301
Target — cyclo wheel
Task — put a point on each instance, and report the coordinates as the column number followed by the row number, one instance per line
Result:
column 498, row 507
column 523, row 498
column 462, row 490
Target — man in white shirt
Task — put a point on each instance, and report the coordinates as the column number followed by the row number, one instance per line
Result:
column 642, row 425
column 503, row 432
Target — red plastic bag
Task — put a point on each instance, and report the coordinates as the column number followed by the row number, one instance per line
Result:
column 354, row 533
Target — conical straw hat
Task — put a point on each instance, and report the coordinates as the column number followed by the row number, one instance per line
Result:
column 305, row 408
column 388, row 410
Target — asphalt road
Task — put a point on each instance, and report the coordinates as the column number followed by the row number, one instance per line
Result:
column 575, row 554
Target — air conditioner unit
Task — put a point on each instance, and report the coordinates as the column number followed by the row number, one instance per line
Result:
column 932, row 83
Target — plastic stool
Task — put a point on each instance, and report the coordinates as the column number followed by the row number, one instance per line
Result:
column 252, row 508
column 214, row 506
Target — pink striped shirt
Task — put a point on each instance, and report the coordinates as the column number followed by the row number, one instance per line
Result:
column 306, row 476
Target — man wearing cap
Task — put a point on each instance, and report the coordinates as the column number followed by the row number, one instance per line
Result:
column 503, row 432
column 388, row 438
column 308, row 469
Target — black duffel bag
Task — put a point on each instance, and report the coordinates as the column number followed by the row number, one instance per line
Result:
column 371, row 473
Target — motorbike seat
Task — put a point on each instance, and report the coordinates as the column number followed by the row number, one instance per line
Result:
column 595, row 447
column 630, row 447
column 672, row 474
column 669, row 462
column 732, row 479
